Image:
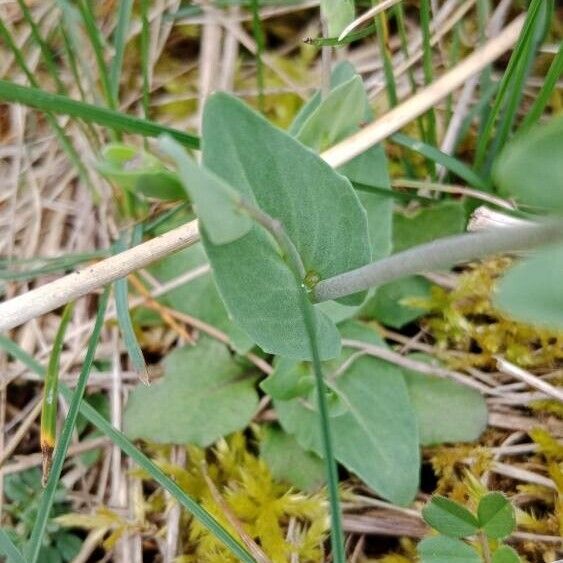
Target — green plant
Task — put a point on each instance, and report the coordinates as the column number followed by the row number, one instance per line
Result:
column 292, row 244
column 494, row 521
column 23, row 492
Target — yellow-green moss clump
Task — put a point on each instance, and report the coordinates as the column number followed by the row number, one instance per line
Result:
column 463, row 320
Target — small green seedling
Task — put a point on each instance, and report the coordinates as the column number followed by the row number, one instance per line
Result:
column 493, row 522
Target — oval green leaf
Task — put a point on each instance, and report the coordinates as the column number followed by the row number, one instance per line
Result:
column 532, row 291
column 505, row 554
column 376, row 437
column 136, row 170
column 318, row 208
column 203, row 396
column 442, row 549
column 496, row 515
column 449, row 517
column 216, row 202
column 530, row 168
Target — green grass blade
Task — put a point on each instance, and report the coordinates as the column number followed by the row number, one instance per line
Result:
column 335, row 42
column 258, row 33
column 517, row 85
column 46, row 53
column 35, row 542
column 391, row 85
column 553, row 74
column 48, row 265
column 70, row 24
column 50, row 395
column 145, row 56
column 8, row 548
column 124, row 318
column 431, row 137
column 67, row 146
column 437, row 156
column 399, row 13
column 95, row 418
column 517, row 54
column 118, row 121
column 97, row 42
column 120, row 41
column 337, row 531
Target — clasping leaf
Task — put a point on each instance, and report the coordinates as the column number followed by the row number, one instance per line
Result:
column 217, row 203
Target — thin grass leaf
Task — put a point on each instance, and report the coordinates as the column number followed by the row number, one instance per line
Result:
column 34, row 545
column 382, row 34
column 119, row 439
column 258, row 33
column 124, row 318
column 485, row 79
column 516, row 89
column 118, row 121
column 547, row 89
column 337, row 532
column 45, row 50
column 335, row 41
column 48, row 436
column 431, row 136
column 145, row 56
column 399, row 13
column 120, row 40
column 70, row 23
column 8, row 548
column 97, row 41
column 517, row 54
column 436, row 155
column 49, row 265
column 67, row 146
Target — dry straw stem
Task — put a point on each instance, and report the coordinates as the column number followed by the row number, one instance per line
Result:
column 50, row 296
column 510, row 369
column 426, row 98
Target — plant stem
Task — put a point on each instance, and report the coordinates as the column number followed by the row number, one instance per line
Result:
column 437, row 255
column 294, row 262
column 337, row 533
column 485, row 547
column 46, row 503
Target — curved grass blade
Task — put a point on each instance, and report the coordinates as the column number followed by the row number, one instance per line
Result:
column 48, row 265
column 67, row 146
column 145, row 56
column 8, row 548
column 50, row 398
column 116, row 120
column 517, row 55
column 95, row 418
column 46, row 53
column 335, row 42
column 35, row 542
column 447, row 161
column 258, row 33
column 97, row 42
column 123, row 20
column 124, row 318
column 431, row 137
column 542, row 99
column 516, row 89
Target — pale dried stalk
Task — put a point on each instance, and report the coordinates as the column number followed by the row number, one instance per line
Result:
column 50, row 296
column 372, row 12
column 425, row 99
column 510, row 369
